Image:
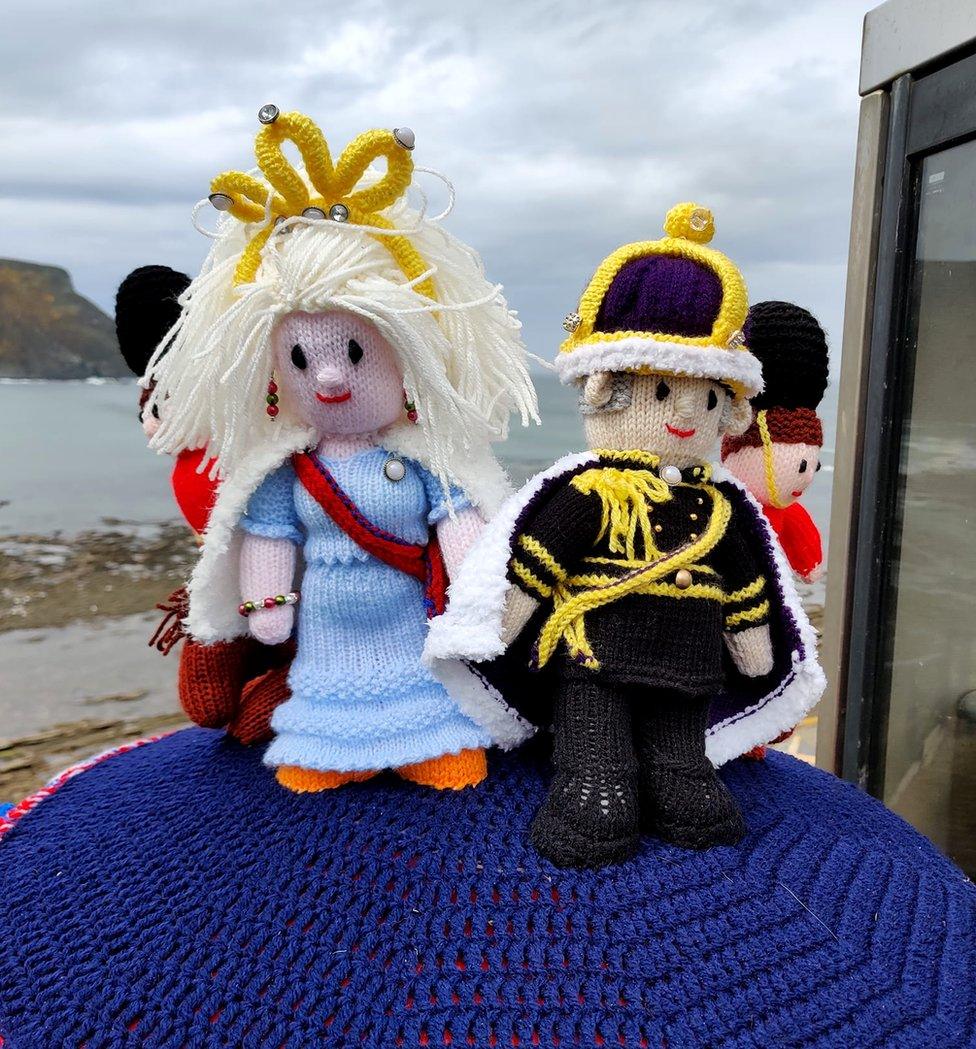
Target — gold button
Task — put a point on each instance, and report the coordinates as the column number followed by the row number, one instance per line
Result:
column 694, row 517
column 657, row 528
column 682, row 579
column 701, row 502
column 694, row 535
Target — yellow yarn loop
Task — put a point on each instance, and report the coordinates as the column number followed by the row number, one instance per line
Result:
column 690, row 222
column 767, row 450
column 332, row 184
column 566, row 623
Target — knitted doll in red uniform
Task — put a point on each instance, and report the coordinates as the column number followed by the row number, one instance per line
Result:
column 236, row 685
column 645, row 609
column 777, row 457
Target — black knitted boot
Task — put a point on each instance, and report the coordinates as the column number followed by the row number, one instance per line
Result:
column 682, row 799
column 589, row 817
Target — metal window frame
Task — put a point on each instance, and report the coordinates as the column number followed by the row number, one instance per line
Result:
column 898, row 129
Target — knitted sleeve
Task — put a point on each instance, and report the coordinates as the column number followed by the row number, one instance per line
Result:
column 437, row 498
column 271, row 509
column 551, row 538
column 746, row 588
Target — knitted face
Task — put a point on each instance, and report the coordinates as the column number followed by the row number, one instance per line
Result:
column 793, row 468
column 337, row 373
column 675, row 417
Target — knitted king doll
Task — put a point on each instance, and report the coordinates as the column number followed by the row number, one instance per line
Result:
column 637, row 584
column 346, row 363
column 779, row 454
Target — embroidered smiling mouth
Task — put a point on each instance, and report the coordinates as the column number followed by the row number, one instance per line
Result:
column 338, row 399
column 677, row 432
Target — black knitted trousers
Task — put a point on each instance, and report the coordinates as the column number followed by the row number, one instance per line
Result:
column 628, row 758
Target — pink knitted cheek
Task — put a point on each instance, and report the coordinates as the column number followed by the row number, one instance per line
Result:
column 748, row 466
column 336, row 373
column 791, row 481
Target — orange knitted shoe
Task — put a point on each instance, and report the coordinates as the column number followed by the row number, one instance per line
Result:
column 448, row 772
column 310, row 781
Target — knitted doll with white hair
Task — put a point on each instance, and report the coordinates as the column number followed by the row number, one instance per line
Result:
column 637, row 585
column 347, row 363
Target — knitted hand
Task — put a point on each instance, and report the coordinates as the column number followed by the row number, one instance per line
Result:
column 267, row 569
column 456, row 536
column 751, row 650
column 271, row 626
column 519, row 607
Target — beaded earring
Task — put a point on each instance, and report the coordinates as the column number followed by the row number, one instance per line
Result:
column 409, row 407
column 272, row 398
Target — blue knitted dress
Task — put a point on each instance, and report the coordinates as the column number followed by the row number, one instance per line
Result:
column 361, row 698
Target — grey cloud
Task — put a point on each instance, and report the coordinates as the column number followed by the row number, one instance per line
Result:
column 567, row 127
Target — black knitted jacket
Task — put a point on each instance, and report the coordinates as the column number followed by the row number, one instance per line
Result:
column 669, row 633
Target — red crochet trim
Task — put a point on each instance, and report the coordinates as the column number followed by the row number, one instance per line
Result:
column 31, row 802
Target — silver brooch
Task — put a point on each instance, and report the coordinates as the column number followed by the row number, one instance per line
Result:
column 394, row 469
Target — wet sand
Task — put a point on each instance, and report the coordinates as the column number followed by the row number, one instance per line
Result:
column 77, row 675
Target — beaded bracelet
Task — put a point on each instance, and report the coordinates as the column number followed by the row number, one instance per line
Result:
column 247, row 607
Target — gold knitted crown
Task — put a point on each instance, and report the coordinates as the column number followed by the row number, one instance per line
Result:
column 721, row 354
column 333, row 194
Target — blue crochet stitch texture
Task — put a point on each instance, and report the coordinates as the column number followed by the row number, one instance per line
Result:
column 176, row 896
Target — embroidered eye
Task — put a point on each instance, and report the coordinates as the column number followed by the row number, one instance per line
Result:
column 298, row 357
column 355, row 351
column 712, row 400
column 662, row 390
column 802, row 467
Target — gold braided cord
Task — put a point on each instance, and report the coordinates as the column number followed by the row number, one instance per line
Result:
column 531, row 579
column 767, row 446
column 567, row 619
column 542, row 555
column 750, row 615
column 333, row 184
column 754, row 588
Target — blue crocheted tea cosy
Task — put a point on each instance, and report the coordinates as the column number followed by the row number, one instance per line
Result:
column 174, row 895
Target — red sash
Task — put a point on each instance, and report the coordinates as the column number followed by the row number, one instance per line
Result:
column 424, row 563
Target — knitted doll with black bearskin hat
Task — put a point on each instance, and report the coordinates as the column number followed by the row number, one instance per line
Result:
column 632, row 596
column 778, row 456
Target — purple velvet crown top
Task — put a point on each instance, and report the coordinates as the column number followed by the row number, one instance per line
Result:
column 662, row 293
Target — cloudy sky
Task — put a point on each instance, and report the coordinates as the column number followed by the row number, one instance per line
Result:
column 567, row 128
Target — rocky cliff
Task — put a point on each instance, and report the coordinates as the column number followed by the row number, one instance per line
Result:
column 48, row 331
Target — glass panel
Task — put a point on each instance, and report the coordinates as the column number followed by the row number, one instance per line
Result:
column 930, row 768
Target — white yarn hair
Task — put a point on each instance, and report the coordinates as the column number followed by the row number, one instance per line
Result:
column 462, row 357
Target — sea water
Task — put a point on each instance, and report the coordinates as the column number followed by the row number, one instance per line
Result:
column 73, row 456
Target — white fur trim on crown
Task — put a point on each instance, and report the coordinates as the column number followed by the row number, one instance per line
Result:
column 703, row 362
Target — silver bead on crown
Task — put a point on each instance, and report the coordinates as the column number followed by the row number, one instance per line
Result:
column 221, row 201
column 405, row 137
column 339, row 213
column 313, row 213
column 572, row 321
column 269, row 113
column 736, row 340
column 698, row 220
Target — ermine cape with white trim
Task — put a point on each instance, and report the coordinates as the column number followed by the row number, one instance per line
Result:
column 496, row 688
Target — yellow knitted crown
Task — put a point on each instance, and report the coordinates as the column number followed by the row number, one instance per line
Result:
column 333, row 195
column 688, row 228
